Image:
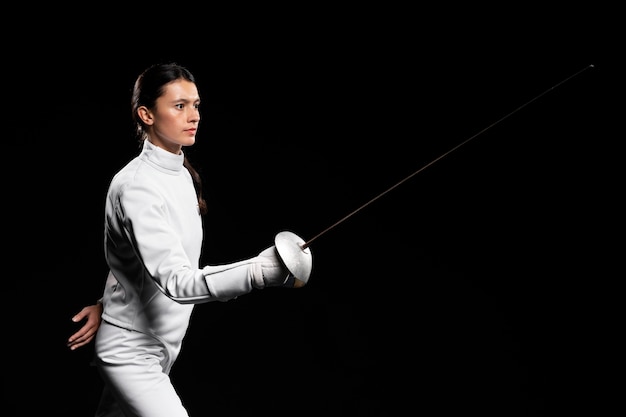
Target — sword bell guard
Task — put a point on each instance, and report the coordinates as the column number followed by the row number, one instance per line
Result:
column 298, row 260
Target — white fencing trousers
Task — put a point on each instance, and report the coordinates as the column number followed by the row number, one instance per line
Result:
column 135, row 369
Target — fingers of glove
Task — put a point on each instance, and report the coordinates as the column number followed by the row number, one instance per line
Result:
column 274, row 271
column 274, row 275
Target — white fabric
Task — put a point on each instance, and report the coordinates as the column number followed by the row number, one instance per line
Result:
column 153, row 240
column 135, row 370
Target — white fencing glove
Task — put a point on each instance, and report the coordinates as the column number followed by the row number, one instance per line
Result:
column 270, row 271
column 231, row 280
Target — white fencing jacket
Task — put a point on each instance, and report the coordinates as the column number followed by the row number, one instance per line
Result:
column 153, row 240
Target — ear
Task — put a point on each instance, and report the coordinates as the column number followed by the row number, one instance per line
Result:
column 145, row 115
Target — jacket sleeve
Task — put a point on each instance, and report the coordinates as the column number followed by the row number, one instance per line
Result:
column 149, row 228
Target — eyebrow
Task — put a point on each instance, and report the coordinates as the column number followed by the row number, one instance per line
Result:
column 186, row 100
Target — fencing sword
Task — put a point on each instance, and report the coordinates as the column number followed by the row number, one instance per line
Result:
column 295, row 252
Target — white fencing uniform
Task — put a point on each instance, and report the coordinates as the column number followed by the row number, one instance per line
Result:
column 153, row 241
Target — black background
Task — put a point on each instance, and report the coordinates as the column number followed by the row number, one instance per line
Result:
column 480, row 284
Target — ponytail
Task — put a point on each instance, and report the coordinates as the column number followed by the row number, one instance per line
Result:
column 197, row 183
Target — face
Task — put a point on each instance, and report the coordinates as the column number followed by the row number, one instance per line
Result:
column 173, row 122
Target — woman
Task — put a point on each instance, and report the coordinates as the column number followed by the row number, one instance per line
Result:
column 153, row 238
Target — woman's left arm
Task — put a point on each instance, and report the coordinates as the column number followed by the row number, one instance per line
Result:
column 93, row 316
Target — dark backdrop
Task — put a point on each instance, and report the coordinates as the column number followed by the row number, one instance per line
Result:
column 477, row 285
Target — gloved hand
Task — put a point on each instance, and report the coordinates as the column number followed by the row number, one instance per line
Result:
column 270, row 271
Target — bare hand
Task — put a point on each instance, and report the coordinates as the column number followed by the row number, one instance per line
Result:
column 87, row 332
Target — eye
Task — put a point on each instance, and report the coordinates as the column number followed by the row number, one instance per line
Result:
column 180, row 106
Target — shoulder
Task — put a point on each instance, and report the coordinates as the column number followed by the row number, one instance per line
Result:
column 135, row 180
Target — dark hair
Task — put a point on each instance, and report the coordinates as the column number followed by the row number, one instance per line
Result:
column 149, row 86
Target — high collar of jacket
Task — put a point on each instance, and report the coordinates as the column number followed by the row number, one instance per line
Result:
column 162, row 159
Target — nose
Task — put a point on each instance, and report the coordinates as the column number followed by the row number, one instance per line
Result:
column 194, row 115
